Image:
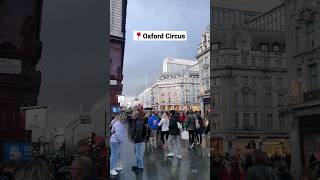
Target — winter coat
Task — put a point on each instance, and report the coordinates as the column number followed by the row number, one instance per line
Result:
column 173, row 126
column 117, row 132
column 191, row 122
column 137, row 132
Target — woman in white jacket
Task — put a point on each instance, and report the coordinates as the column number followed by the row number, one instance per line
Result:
column 164, row 123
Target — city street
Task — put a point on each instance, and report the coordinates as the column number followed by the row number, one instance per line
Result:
column 193, row 165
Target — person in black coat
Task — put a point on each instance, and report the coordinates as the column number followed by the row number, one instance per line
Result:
column 138, row 139
column 174, row 135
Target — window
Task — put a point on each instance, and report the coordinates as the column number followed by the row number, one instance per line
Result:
column 268, row 82
column 245, row 99
column 268, row 99
column 269, row 121
column 215, row 46
column 311, row 38
column 236, row 103
column 280, row 99
column 254, row 62
column 267, row 63
column 298, row 39
column 254, row 99
column 281, row 121
column 278, row 64
column 244, row 81
column 236, row 120
column 313, row 76
column 280, row 82
column 264, row 47
column 255, row 120
column 246, row 120
column 276, row 48
column 244, row 61
column 299, row 73
column 254, row 79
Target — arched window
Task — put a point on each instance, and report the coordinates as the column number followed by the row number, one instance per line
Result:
column 276, row 46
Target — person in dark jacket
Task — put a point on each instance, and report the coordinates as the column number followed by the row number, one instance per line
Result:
column 138, row 137
column 259, row 170
column 174, row 136
column 191, row 127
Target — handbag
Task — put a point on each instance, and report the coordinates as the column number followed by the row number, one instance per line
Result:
column 185, row 135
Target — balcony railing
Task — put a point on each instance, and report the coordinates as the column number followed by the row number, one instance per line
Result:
column 311, row 95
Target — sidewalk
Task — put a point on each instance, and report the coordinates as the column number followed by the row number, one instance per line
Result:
column 194, row 165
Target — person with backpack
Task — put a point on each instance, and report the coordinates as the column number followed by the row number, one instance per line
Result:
column 153, row 122
column 174, row 136
column 191, row 127
column 138, row 139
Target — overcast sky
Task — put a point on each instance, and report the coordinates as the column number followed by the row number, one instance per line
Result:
column 143, row 57
column 73, row 62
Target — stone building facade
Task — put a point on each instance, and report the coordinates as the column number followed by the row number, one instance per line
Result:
column 248, row 75
column 203, row 58
column 303, row 44
column 176, row 91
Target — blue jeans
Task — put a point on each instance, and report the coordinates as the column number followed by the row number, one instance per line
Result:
column 115, row 148
column 138, row 150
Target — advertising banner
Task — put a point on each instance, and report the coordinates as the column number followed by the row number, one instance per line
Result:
column 36, row 121
column 14, row 151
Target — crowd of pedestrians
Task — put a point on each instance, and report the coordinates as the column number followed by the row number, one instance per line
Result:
column 155, row 130
column 40, row 168
column 258, row 166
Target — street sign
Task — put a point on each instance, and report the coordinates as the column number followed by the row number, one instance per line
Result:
column 10, row 66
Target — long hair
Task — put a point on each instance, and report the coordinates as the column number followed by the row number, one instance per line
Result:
column 165, row 116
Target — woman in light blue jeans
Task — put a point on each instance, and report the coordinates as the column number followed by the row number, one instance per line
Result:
column 116, row 139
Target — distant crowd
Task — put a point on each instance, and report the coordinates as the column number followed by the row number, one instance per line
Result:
column 41, row 168
column 258, row 166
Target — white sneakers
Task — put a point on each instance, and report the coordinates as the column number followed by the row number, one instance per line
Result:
column 113, row 172
column 119, row 169
column 170, row 154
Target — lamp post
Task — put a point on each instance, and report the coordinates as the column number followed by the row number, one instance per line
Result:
column 260, row 144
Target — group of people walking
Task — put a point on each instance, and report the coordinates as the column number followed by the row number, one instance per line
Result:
column 153, row 129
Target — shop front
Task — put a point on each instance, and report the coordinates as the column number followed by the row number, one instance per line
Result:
column 309, row 137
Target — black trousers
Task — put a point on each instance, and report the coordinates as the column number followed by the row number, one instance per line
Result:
column 192, row 134
column 164, row 133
